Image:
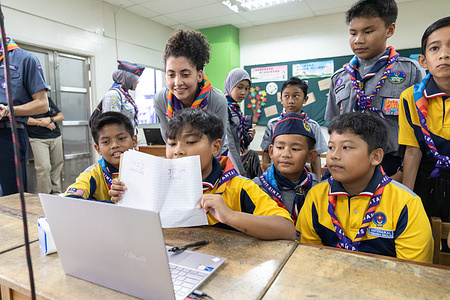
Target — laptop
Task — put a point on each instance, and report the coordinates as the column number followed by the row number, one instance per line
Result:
column 153, row 136
column 123, row 249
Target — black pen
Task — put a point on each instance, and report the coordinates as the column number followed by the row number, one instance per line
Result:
column 182, row 248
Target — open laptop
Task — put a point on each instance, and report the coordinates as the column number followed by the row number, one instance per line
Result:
column 122, row 248
column 153, row 136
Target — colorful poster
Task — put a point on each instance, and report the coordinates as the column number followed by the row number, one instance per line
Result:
column 267, row 74
column 313, row 69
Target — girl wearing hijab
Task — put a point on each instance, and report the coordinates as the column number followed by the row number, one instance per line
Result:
column 237, row 85
column 117, row 98
column 185, row 56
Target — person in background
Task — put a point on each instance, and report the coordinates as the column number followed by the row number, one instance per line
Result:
column 424, row 125
column 359, row 207
column 293, row 95
column 250, row 158
column 228, row 199
column 46, row 144
column 118, row 99
column 376, row 76
column 237, row 85
column 287, row 180
column 113, row 134
column 185, row 56
column 29, row 96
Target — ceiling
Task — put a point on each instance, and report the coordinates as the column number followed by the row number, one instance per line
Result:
column 197, row 14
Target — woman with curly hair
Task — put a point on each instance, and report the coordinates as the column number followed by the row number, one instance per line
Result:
column 185, row 57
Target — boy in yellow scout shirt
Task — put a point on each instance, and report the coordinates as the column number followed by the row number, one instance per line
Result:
column 229, row 199
column 424, row 124
column 360, row 208
column 113, row 134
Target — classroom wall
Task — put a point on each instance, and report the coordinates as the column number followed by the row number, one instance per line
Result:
column 327, row 36
column 87, row 28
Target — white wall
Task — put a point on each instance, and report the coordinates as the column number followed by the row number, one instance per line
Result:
column 327, row 36
column 87, row 28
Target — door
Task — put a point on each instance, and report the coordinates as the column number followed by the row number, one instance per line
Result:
column 68, row 78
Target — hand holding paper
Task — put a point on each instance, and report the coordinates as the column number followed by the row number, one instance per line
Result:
column 172, row 187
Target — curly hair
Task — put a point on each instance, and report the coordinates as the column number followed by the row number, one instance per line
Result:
column 190, row 44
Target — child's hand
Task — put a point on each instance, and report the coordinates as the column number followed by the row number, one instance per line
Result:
column 214, row 204
column 118, row 188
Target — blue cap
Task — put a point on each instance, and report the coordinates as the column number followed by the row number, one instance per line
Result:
column 293, row 123
column 129, row 67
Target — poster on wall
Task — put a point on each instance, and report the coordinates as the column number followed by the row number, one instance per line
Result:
column 313, row 69
column 270, row 73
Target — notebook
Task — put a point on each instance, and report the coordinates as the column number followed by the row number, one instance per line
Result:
column 122, row 248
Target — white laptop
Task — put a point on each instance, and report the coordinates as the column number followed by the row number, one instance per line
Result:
column 123, row 249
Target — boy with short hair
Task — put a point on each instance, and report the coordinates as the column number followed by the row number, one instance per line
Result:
column 376, row 75
column 360, row 208
column 424, row 124
column 287, row 180
column 113, row 134
column 229, row 199
column 293, row 95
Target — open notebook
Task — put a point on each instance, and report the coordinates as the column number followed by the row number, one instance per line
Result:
column 122, row 248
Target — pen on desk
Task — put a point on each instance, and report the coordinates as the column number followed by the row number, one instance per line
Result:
column 182, row 248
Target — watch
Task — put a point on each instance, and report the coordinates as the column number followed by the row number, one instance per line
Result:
column 51, row 119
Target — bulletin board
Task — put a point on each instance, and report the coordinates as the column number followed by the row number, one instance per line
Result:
column 263, row 101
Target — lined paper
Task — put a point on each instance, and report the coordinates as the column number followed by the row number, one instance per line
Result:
column 171, row 187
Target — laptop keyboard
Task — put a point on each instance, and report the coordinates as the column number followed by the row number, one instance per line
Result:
column 185, row 279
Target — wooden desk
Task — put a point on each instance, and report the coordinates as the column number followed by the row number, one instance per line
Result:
column 156, row 150
column 250, row 268
column 11, row 225
column 322, row 273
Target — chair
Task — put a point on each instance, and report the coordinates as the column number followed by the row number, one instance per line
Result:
column 440, row 231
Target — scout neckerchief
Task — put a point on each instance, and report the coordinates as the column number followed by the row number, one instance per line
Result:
column 221, row 176
column 11, row 45
column 108, row 171
column 128, row 97
column 443, row 161
column 200, row 101
column 365, row 101
column 234, row 106
column 272, row 179
column 344, row 241
column 302, row 114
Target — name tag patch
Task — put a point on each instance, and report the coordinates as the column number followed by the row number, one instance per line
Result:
column 390, row 106
column 387, row 234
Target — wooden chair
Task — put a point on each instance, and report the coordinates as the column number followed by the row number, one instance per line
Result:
column 440, row 231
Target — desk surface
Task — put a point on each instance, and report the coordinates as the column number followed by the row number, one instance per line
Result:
column 250, row 268
column 323, row 273
column 11, row 225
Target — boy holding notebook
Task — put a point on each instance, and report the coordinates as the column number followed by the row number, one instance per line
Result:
column 113, row 134
column 229, row 199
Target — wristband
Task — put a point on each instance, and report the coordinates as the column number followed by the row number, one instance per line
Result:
column 51, row 119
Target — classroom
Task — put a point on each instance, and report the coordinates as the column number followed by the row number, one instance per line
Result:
column 79, row 44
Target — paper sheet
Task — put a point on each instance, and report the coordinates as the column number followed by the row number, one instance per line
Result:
column 324, row 84
column 172, row 187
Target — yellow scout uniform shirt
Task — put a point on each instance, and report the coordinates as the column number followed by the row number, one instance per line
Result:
column 400, row 227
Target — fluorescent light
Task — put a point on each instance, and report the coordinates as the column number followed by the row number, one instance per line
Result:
column 249, row 5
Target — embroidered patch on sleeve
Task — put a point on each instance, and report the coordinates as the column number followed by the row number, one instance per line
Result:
column 75, row 192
